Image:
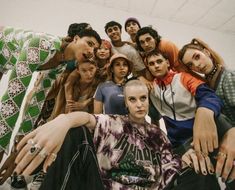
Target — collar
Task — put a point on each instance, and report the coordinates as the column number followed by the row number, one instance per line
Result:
column 167, row 79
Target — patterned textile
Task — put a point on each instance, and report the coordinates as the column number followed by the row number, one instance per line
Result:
column 23, row 52
column 226, row 91
column 133, row 156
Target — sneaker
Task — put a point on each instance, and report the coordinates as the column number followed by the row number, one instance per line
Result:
column 37, row 180
column 18, row 182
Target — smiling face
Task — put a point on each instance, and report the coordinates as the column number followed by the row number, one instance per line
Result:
column 84, row 48
column 147, row 42
column 136, row 100
column 114, row 33
column 103, row 53
column 158, row 65
column 197, row 60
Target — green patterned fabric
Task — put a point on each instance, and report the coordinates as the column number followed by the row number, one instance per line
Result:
column 226, row 91
column 23, row 52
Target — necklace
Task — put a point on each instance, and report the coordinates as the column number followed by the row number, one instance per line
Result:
column 211, row 74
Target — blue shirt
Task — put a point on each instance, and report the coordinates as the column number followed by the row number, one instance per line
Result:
column 111, row 95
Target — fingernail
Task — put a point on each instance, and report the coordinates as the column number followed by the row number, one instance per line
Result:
column 217, row 175
column 211, row 171
column 14, row 173
column 230, row 180
column 191, row 165
column 204, row 172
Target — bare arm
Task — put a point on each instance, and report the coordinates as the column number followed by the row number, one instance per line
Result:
column 69, row 85
column 49, row 137
column 98, row 107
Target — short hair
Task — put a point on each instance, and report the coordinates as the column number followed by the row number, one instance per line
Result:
column 147, row 30
column 134, row 83
column 90, row 33
column 155, row 52
column 75, row 28
column 111, row 24
column 132, row 19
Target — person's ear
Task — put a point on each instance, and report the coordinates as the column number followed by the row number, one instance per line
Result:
column 76, row 38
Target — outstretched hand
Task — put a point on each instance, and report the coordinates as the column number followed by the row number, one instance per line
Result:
column 205, row 138
column 40, row 145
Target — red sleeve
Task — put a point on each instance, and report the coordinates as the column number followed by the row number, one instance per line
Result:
column 191, row 83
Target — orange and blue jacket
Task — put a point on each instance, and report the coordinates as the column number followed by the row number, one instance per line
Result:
column 177, row 97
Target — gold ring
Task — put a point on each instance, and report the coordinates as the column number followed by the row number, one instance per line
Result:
column 54, row 156
column 222, row 154
column 43, row 154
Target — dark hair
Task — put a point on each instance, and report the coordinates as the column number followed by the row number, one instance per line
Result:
column 147, row 30
column 75, row 28
column 155, row 52
column 90, row 33
column 111, row 24
column 132, row 19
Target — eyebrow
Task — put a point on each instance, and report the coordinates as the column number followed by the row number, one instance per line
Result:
column 194, row 55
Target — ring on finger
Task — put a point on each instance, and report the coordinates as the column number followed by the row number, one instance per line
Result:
column 34, row 149
column 222, row 154
column 31, row 142
column 43, row 154
column 54, row 156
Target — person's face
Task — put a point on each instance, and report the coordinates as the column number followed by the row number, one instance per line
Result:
column 87, row 72
column 103, row 53
column 114, row 33
column 84, row 48
column 158, row 66
column 198, row 61
column 147, row 42
column 136, row 99
column 132, row 28
column 120, row 68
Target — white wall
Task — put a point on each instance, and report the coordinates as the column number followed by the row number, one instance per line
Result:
column 54, row 16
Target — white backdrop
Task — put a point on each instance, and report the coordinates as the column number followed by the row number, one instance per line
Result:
column 54, row 16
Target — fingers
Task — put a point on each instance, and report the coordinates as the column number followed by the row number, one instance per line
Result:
column 232, row 174
column 25, row 140
column 225, row 165
column 194, row 159
column 221, row 158
column 209, row 165
column 37, row 160
column 215, row 142
column 50, row 159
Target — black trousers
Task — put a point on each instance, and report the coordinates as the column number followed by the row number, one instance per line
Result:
column 76, row 166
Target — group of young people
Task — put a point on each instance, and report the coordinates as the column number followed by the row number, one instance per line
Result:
column 84, row 123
